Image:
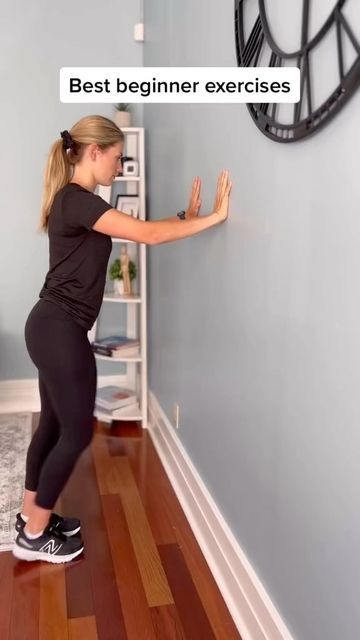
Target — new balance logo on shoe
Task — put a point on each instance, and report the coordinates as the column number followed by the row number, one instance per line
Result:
column 51, row 547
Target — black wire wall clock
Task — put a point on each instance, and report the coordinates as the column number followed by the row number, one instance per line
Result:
column 258, row 47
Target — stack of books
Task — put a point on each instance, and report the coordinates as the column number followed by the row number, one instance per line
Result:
column 116, row 346
column 112, row 397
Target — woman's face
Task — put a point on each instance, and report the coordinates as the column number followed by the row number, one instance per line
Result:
column 108, row 164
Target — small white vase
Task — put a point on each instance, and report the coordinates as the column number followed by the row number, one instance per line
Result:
column 118, row 287
column 122, row 119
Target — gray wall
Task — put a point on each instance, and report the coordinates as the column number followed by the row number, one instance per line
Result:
column 36, row 40
column 254, row 326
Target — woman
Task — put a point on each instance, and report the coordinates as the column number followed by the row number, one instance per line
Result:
column 79, row 225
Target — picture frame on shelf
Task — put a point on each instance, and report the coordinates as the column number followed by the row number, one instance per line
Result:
column 130, row 167
column 128, row 204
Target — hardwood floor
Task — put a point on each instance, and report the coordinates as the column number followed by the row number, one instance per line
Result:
column 142, row 575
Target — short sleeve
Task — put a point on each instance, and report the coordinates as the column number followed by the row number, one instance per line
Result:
column 82, row 208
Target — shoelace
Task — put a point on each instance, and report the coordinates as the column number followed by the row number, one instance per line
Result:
column 56, row 520
column 52, row 530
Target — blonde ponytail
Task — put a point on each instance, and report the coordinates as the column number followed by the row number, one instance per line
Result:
column 57, row 175
column 58, row 170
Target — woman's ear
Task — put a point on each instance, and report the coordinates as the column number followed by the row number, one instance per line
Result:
column 94, row 151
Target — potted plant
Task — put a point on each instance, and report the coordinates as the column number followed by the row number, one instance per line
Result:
column 116, row 276
column 122, row 115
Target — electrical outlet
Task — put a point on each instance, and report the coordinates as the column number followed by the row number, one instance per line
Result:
column 176, row 412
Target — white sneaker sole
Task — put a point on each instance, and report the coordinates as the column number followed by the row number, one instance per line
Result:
column 27, row 554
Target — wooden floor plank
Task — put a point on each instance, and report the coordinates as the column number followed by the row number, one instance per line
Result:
column 152, row 500
column 53, row 610
column 115, row 476
column 216, row 608
column 7, row 562
column 137, row 616
column 83, row 628
column 191, row 610
column 86, row 504
column 24, row 624
column 79, row 594
column 163, row 497
column 106, row 478
column 126, row 429
column 167, row 623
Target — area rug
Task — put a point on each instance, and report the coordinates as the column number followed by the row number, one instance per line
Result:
column 15, row 436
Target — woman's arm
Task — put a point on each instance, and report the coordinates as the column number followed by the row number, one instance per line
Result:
column 120, row 225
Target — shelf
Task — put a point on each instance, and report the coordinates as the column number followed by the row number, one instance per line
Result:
column 134, row 358
column 126, row 179
column 133, row 368
column 113, row 297
column 133, row 412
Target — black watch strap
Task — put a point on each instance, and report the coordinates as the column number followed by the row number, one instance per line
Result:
column 181, row 215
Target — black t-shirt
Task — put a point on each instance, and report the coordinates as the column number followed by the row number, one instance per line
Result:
column 78, row 255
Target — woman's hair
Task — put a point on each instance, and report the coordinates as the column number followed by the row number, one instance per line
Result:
column 60, row 162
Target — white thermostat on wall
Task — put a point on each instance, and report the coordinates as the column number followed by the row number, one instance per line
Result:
column 130, row 168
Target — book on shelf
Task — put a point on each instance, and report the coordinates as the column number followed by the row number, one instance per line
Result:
column 116, row 346
column 112, row 397
column 117, row 353
column 115, row 342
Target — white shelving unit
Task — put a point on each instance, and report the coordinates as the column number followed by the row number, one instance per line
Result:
column 136, row 365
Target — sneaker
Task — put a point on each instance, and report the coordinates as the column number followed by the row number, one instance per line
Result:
column 66, row 526
column 51, row 546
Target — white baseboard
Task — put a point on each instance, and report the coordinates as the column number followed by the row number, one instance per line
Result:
column 23, row 395
column 252, row 610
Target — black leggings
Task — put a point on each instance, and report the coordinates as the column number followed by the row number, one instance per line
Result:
column 60, row 349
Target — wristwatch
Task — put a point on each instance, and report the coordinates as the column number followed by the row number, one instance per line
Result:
column 181, row 215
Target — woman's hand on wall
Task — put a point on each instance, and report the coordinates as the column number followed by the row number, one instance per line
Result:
column 195, row 201
column 221, row 204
